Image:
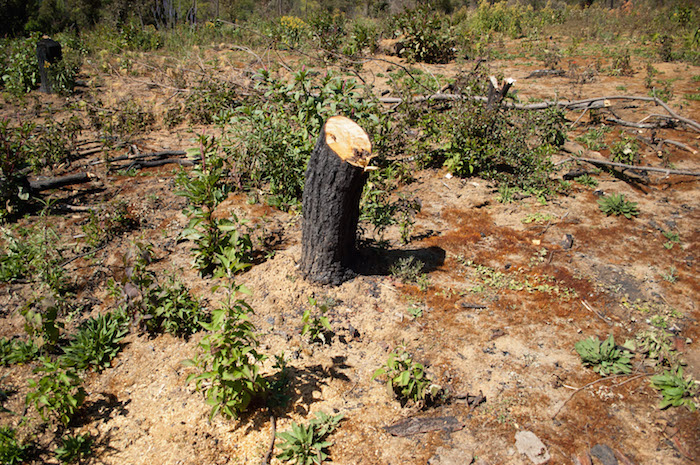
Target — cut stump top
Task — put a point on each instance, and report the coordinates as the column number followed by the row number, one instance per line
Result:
column 349, row 141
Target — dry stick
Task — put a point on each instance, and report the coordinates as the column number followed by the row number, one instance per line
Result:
column 593, row 161
column 268, row 455
column 607, row 378
column 579, row 118
column 160, row 154
column 630, row 124
column 677, row 144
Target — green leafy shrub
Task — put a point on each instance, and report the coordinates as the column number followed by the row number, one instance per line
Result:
column 96, row 343
column 20, row 71
column 12, row 452
column 328, row 31
column 306, row 444
column 59, row 393
column 407, row 379
column 427, row 37
column 508, row 146
column 211, row 101
column 616, row 204
column 75, row 448
column 604, row 357
column 291, row 31
column 204, row 188
column 230, row 364
column 676, row 389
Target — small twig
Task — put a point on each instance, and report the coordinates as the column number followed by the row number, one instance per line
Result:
column 585, row 304
column 268, row 455
column 677, row 144
column 89, row 252
column 607, row 378
column 579, row 118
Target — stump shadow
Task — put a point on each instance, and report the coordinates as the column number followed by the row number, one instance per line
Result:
column 373, row 260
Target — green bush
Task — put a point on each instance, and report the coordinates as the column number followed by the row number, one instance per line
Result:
column 427, row 36
column 230, row 363
column 59, row 393
column 96, row 343
column 616, row 204
column 74, row 448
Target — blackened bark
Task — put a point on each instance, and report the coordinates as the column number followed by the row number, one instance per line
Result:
column 331, row 204
column 48, row 52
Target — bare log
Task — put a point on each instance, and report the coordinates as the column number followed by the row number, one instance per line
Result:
column 335, row 176
column 43, row 184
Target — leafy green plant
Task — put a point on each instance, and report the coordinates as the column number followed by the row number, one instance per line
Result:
column 616, row 204
column 317, row 326
column 625, row 150
column 586, row 180
column 671, row 275
column 407, row 379
column 75, row 448
column 604, row 357
column 59, row 393
column 594, row 138
column 672, row 238
column 205, row 189
column 230, row 364
column 306, row 444
column 12, row 452
column 427, row 36
column 415, row 312
column 96, row 343
column 676, row 389
column 17, row 351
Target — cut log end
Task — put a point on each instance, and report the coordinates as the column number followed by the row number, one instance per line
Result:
column 349, row 141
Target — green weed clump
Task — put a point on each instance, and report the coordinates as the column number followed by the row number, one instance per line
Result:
column 616, row 204
column 604, row 357
column 677, row 390
column 407, row 379
column 204, row 188
column 75, row 448
column 96, row 343
column 306, row 444
column 58, row 394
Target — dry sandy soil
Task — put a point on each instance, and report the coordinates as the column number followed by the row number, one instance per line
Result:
column 476, row 336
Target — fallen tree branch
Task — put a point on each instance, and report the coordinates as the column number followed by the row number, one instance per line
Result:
column 594, row 161
column 595, row 102
column 137, row 165
column 630, row 124
column 160, row 154
column 43, row 184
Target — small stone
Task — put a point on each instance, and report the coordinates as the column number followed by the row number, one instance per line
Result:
column 604, row 453
column 530, row 445
column 567, row 242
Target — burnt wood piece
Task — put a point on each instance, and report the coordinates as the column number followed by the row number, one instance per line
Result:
column 335, row 176
column 48, row 52
column 38, row 185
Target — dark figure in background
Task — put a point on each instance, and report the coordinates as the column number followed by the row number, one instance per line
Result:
column 47, row 52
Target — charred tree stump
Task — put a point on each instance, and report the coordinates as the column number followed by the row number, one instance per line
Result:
column 48, row 52
column 335, row 176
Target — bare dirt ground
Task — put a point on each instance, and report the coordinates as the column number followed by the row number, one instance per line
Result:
column 510, row 339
